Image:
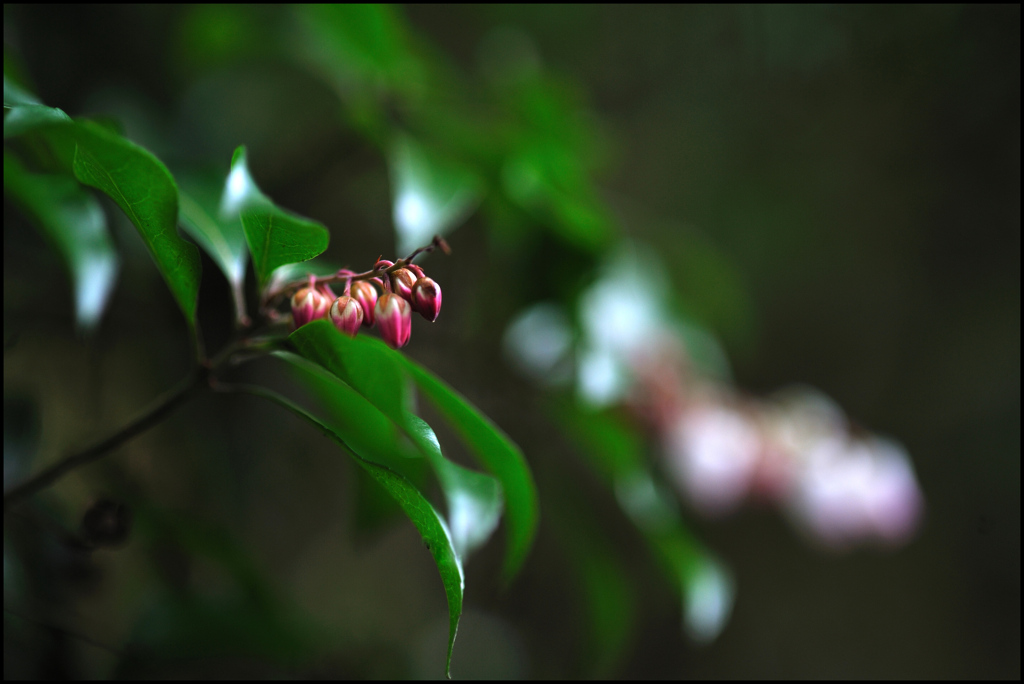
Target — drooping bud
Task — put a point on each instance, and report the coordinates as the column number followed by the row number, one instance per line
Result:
column 309, row 304
column 402, row 280
column 366, row 294
column 426, row 298
column 326, row 291
column 394, row 316
column 347, row 315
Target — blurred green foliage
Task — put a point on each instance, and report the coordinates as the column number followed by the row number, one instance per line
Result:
column 835, row 193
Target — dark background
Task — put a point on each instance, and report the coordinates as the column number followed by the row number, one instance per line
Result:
column 836, row 194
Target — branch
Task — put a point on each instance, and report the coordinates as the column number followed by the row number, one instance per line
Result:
column 257, row 343
column 146, row 420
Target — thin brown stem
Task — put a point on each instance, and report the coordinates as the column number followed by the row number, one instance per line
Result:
column 170, row 401
column 274, row 296
column 196, row 380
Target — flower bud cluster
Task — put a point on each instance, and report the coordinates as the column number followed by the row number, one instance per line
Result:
column 387, row 300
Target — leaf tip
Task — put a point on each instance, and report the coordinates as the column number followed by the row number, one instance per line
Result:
column 238, row 155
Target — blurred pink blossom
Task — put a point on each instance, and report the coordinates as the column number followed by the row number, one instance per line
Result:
column 713, row 453
column 851, row 491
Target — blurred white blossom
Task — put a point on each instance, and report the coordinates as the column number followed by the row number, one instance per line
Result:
column 720, row 448
column 712, row 451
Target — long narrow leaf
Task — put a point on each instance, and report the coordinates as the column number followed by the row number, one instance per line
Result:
column 379, row 374
column 704, row 584
column 219, row 236
column 474, row 499
column 431, row 526
column 497, row 453
column 73, row 220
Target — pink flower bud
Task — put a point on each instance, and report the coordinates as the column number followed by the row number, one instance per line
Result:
column 426, row 298
column 402, row 280
column 347, row 315
column 394, row 316
column 416, row 271
column 308, row 304
column 366, row 294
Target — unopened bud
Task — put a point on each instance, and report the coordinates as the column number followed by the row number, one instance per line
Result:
column 366, row 294
column 402, row 280
column 347, row 315
column 308, row 304
column 394, row 316
column 426, row 298
column 416, row 270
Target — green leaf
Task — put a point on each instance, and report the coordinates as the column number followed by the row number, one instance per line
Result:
column 275, row 237
column 364, row 43
column 551, row 185
column 24, row 112
column 435, row 536
column 240, row 190
column 368, row 432
column 432, row 195
column 15, row 95
column 616, row 451
column 606, row 589
column 424, row 516
column 375, row 510
column 365, row 429
column 474, row 500
column 221, row 237
column 224, row 241
column 74, row 222
column 145, row 190
column 497, row 453
column 365, row 363
column 378, row 373
column 611, row 607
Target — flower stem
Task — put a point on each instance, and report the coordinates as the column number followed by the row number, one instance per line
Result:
column 344, row 275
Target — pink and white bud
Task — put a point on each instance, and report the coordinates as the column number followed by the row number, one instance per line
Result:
column 366, row 294
column 402, row 280
column 426, row 298
column 309, row 304
column 394, row 316
column 347, row 315
column 416, row 271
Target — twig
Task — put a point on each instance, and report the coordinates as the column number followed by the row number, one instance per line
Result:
column 273, row 296
column 143, row 422
column 202, row 375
